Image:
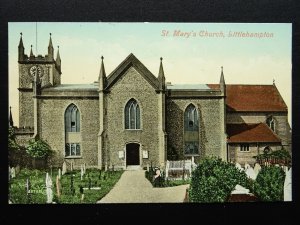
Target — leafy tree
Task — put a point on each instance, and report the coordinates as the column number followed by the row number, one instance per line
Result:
column 12, row 144
column 213, row 180
column 269, row 184
column 38, row 148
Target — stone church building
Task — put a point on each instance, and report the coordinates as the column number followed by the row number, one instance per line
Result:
column 132, row 117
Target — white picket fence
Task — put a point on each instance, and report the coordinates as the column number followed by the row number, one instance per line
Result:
column 179, row 169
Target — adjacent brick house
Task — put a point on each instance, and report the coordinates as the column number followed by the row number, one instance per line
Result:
column 134, row 118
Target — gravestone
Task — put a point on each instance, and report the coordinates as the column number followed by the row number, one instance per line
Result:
column 148, row 167
column 58, row 186
column 59, row 173
column 13, row 172
column 81, row 172
column 71, row 166
column 64, row 168
column 257, row 168
column 49, row 188
column 287, row 188
column 240, row 190
column 28, row 187
column 237, row 165
column 247, row 166
column 106, row 167
column 250, row 172
column 84, row 168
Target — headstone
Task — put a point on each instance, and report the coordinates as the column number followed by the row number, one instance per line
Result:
column 49, row 188
column 106, row 167
column 237, row 165
column 64, row 168
column 58, row 186
column 81, row 172
column 71, row 166
column 247, row 166
column 148, row 167
column 240, row 190
column 257, row 168
column 13, row 172
column 287, row 188
column 84, row 168
column 59, row 173
column 250, row 173
column 82, row 193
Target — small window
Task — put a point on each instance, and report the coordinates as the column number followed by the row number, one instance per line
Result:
column 72, row 119
column 244, row 148
column 72, row 149
column 271, row 123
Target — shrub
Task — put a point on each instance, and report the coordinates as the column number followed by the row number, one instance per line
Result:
column 38, row 148
column 269, row 183
column 213, row 180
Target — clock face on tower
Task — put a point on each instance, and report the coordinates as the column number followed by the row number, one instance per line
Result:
column 36, row 70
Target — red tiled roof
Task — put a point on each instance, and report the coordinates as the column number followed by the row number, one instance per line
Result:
column 253, row 98
column 245, row 133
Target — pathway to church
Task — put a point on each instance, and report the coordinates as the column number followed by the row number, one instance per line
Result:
column 133, row 187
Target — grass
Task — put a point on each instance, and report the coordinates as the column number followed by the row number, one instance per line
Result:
column 93, row 178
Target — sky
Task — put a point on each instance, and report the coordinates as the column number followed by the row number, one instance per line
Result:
column 192, row 52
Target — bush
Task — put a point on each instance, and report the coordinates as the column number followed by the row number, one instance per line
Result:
column 269, row 184
column 38, row 148
column 213, row 180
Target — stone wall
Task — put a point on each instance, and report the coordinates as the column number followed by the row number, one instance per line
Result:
column 51, row 127
column 131, row 85
column 211, row 133
column 235, row 155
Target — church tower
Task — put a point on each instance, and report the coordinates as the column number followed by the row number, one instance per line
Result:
column 35, row 73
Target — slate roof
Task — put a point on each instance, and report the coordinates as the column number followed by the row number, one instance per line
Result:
column 251, row 133
column 187, row 87
column 71, row 87
column 253, row 98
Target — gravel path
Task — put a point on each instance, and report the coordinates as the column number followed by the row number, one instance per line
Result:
column 133, row 187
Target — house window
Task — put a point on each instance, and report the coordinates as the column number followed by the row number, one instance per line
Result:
column 72, row 119
column 132, row 115
column 72, row 149
column 271, row 123
column 244, row 148
column 191, row 131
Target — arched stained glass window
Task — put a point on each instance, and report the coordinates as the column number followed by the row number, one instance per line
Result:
column 72, row 119
column 191, row 130
column 132, row 115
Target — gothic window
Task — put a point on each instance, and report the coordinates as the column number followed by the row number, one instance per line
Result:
column 72, row 119
column 132, row 115
column 271, row 123
column 72, row 149
column 191, row 119
column 191, row 131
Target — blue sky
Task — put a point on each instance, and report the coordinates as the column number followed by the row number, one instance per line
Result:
column 186, row 59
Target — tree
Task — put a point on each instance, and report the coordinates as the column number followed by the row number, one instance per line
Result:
column 213, row 180
column 269, row 183
column 38, row 148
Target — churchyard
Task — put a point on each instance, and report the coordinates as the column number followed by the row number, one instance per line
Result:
column 33, row 186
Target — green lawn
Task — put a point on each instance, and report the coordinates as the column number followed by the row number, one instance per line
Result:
column 104, row 180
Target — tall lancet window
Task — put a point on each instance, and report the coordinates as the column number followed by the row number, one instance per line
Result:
column 271, row 123
column 132, row 115
column 72, row 119
column 191, row 130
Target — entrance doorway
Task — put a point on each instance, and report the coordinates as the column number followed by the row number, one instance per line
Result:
column 132, row 154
